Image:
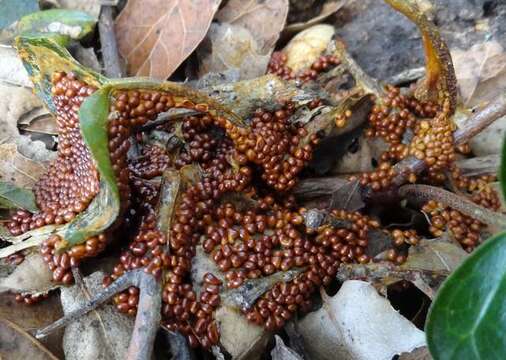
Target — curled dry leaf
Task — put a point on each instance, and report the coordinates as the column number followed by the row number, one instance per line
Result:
column 18, row 344
column 32, row 276
column 156, row 36
column 263, row 19
column 17, row 169
column 232, row 47
column 283, row 352
column 480, row 71
column 101, row 334
column 307, row 46
column 358, row 323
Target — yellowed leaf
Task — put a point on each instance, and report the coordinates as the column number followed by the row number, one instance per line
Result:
column 156, row 36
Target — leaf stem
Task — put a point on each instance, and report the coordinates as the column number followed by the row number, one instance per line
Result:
column 459, row 203
column 110, row 54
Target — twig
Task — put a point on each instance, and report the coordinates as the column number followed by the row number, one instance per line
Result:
column 131, row 278
column 147, row 320
column 110, row 55
column 162, row 118
column 467, row 207
column 472, row 126
column 178, row 345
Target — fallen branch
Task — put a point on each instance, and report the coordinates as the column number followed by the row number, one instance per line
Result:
column 110, row 55
column 424, row 193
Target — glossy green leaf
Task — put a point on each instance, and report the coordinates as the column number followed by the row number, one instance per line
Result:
column 502, row 170
column 105, row 207
column 65, row 24
column 468, row 317
column 12, row 10
column 13, row 197
column 42, row 56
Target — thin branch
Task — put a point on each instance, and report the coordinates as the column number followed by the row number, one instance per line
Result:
column 131, row 278
column 147, row 320
column 425, row 193
column 165, row 117
column 110, row 55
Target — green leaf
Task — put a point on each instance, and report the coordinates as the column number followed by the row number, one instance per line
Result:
column 12, row 10
column 468, row 317
column 42, row 56
column 13, row 197
column 502, row 170
column 105, row 207
column 65, row 24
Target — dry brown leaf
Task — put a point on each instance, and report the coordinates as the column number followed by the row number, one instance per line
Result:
column 328, row 8
column 156, row 36
column 32, row 276
column 232, row 47
column 417, row 354
column 17, row 169
column 480, row 71
column 18, row 344
column 101, row 334
column 264, row 19
column 283, row 352
column 37, row 316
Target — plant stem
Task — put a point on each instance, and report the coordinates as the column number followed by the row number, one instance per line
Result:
column 147, row 320
column 467, row 207
column 110, row 55
column 124, row 282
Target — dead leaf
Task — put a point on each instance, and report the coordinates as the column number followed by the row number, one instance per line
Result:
column 358, row 323
column 156, row 36
column 283, row 352
column 20, row 104
column 480, row 165
column 32, row 276
column 263, row 19
column 427, row 266
column 18, row 344
column 417, row 354
column 328, row 8
column 42, row 125
column 232, row 47
column 307, row 46
column 12, row 70
column 480, row 72
column 35, row 316
column 101, row 334
column 347, row 197
column 17, row 169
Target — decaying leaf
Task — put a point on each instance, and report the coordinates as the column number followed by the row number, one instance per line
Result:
column 358, row 323
column 17, row 169
column 480, row 71
column 11, row 68
column 232, row 47
column 32, row 276
column 307, row 46
column 101, row 334
column 156, row 37
column 263, row 19
column 421, row 353
column 13, row 197
column 31, row 318
column 283, row 352
column 427, row 265
column 18, row 344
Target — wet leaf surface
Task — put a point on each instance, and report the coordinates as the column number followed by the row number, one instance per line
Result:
column 156, row 39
